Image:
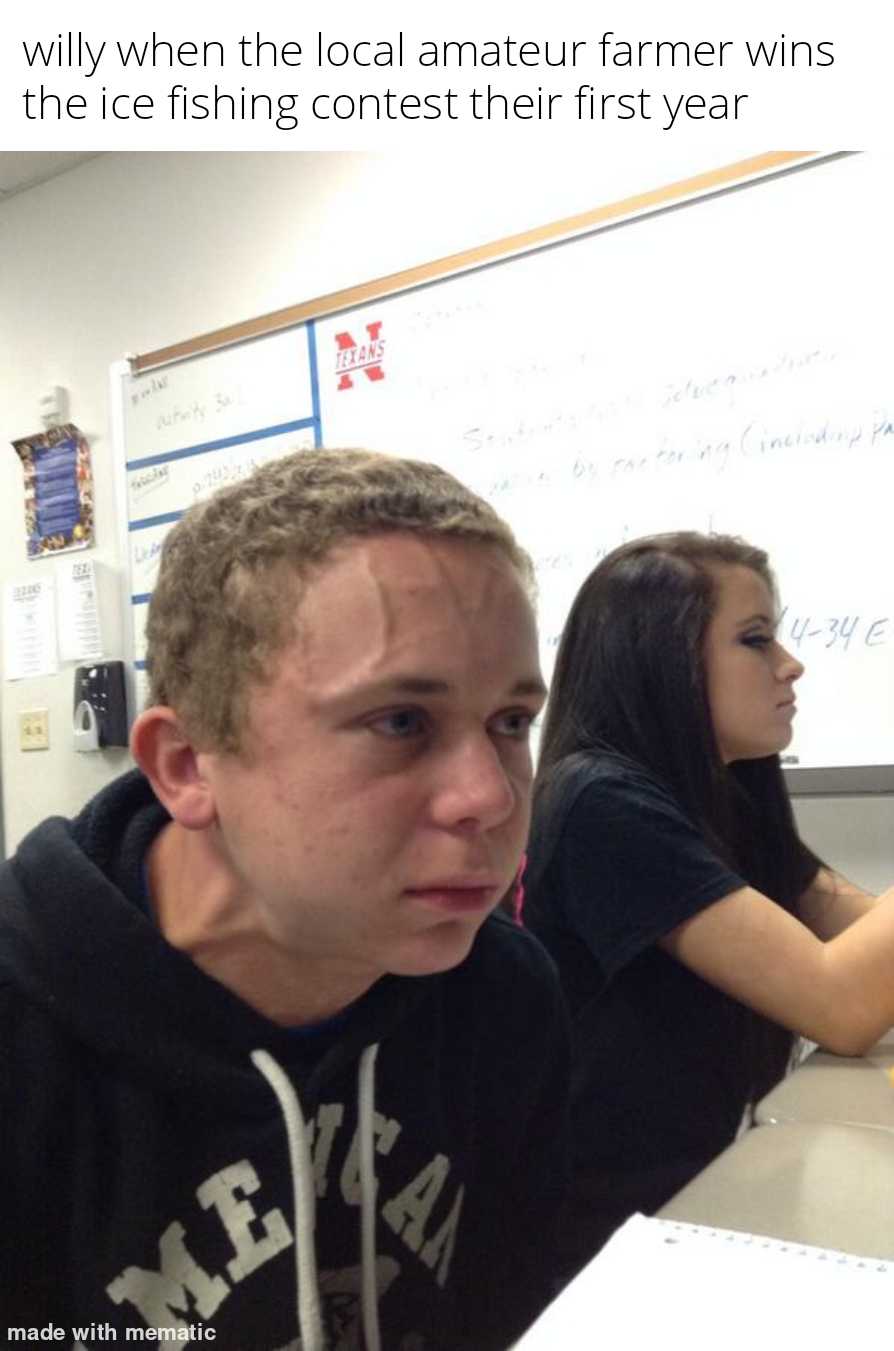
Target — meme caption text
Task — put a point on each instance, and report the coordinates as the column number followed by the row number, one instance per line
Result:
column 323, row 77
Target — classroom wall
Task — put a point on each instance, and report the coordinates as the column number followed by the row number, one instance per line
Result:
column 131, row 252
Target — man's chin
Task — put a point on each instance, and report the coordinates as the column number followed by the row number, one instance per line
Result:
column 438, row 949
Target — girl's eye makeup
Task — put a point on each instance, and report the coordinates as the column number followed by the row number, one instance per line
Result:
column 758, row 640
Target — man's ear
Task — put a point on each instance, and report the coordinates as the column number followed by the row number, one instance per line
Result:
column 170, row 762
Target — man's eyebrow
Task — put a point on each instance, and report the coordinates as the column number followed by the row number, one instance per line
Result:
column 532, row 685
column 412, row 684
column 430, row 685
column 416, row 685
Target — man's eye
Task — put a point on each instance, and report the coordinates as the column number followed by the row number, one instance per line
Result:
column 402, row 723
column 516, row 723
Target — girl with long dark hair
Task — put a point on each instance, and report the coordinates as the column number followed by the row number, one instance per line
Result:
column 696, row 934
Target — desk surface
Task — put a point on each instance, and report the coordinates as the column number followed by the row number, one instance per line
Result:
column 835, row 1089
column 828, row 1185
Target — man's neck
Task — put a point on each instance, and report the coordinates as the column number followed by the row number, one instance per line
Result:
column 201, row 909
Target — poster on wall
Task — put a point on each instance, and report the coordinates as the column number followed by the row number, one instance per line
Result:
column 58, row 490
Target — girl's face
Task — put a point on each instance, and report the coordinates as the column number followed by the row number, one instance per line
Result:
column 750, row 676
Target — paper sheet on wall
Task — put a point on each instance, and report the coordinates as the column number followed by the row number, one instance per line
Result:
column 658, row 1283
column 29, row 629
column 80, row 634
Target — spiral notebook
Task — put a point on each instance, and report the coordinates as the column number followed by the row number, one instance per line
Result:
column 661, row 1285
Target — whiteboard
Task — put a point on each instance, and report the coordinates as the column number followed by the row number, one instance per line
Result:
column 723, row 365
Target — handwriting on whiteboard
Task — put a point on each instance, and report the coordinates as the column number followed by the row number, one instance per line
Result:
column 146, row 481
column 687, row 448
column 222, row 472
column 197, row 411
column 146, row 558
column 833, row 631
column 148, row 387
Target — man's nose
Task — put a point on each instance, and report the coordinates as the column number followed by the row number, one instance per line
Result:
column 475, row 789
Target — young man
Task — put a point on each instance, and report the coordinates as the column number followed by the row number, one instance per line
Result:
column 272, row 1074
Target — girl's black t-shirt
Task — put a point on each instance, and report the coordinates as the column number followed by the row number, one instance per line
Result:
column 659, row 1087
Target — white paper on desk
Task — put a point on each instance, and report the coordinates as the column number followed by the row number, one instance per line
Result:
column 29, row 629
column 662, row 1285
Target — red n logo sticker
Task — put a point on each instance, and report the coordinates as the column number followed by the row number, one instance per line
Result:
column 365, row 356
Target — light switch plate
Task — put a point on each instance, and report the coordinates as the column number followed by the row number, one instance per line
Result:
column 34, row 730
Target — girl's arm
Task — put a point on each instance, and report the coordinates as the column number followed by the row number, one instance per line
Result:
column 839, row 992
column 831, row 904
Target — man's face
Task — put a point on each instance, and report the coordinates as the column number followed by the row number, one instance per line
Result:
column 381, row 804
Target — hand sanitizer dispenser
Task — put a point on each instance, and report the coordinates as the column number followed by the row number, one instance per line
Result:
column 100, row 706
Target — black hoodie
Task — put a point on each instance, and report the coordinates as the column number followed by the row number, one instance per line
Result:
column 168, row 1155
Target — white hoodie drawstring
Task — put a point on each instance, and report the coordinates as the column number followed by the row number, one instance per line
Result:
column 304, row 1194
column 310, row 1323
